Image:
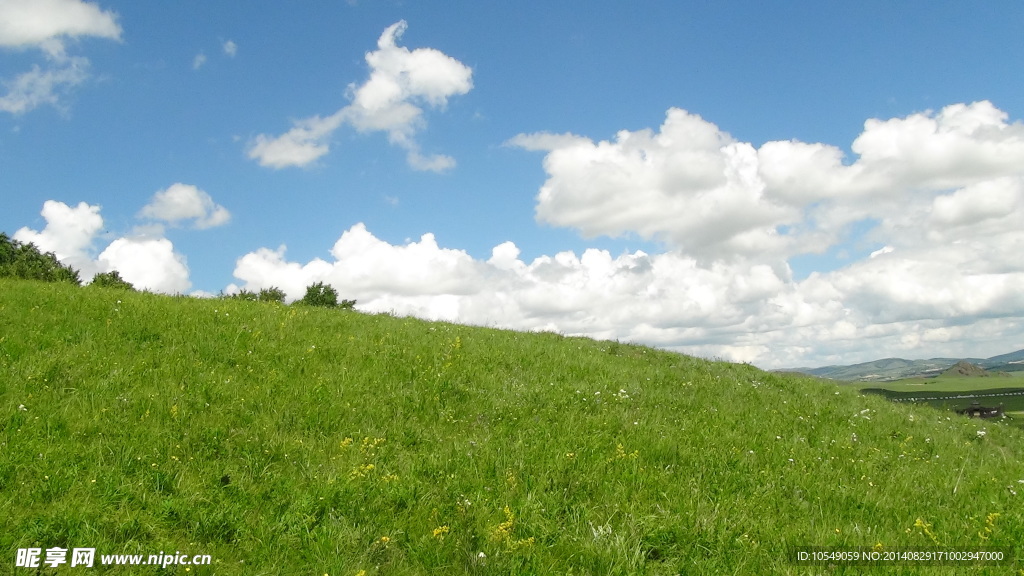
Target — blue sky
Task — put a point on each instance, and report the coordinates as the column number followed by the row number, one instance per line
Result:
column 786, row 184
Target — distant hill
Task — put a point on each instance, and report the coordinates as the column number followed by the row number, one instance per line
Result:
column 965, row 369
column 897, row 368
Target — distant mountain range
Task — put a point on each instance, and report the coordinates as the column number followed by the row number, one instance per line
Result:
column 897, row 368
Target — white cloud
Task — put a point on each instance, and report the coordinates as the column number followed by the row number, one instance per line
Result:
column 695, row 188
column 689, row 184
column 45, row 25
column 300, row 146
column 666, row 299
column 399, row 79
column 148, row 263
column 43, row 86
column 181, row 202
column 267, row 268
column 990, row 201
column 900, row 161
column 230, row 48
column 400, row 83
column 25, row 23
column 69, row 234
column 938, row 202
column 198, row 61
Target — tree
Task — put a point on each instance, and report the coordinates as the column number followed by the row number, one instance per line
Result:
column 244, row 295
column 321, row 294
column 111, row 279
column 25, row 261
column 272, row 294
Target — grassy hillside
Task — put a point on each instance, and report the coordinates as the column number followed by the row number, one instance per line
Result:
column 290, row 440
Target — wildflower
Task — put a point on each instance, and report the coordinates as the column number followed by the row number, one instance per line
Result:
column 361, row 471
column 503, row 531
column 621, row 454
column 926, row 529
column 441, row 531
column 981, row 433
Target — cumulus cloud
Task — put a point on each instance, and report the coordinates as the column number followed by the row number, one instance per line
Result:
column 667, row 298
column 198, row 61
column 145, row 258
column 148, row 263
column 401, row 82
column 742, row 310
column 69, row 234
column 695, row 188
column 690, row 184
column 986, row 202
column 184, row 202
column 46, row 25
column 935, row 199
column 230, row 48
column 900, row 160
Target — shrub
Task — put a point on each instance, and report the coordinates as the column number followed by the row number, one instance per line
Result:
column 272, row 294
column 111, row 279
column 244, row 295
column 25, row 261
column 321, row 294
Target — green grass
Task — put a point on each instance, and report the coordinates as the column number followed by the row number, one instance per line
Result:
column 956, row 392
column 947, row 383
column 293, row 440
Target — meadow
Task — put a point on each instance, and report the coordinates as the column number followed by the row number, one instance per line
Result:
column 952, row 393
column 949, row 383
column 296, row 440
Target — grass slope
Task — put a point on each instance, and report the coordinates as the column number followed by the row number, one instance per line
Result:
column 289, row 440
